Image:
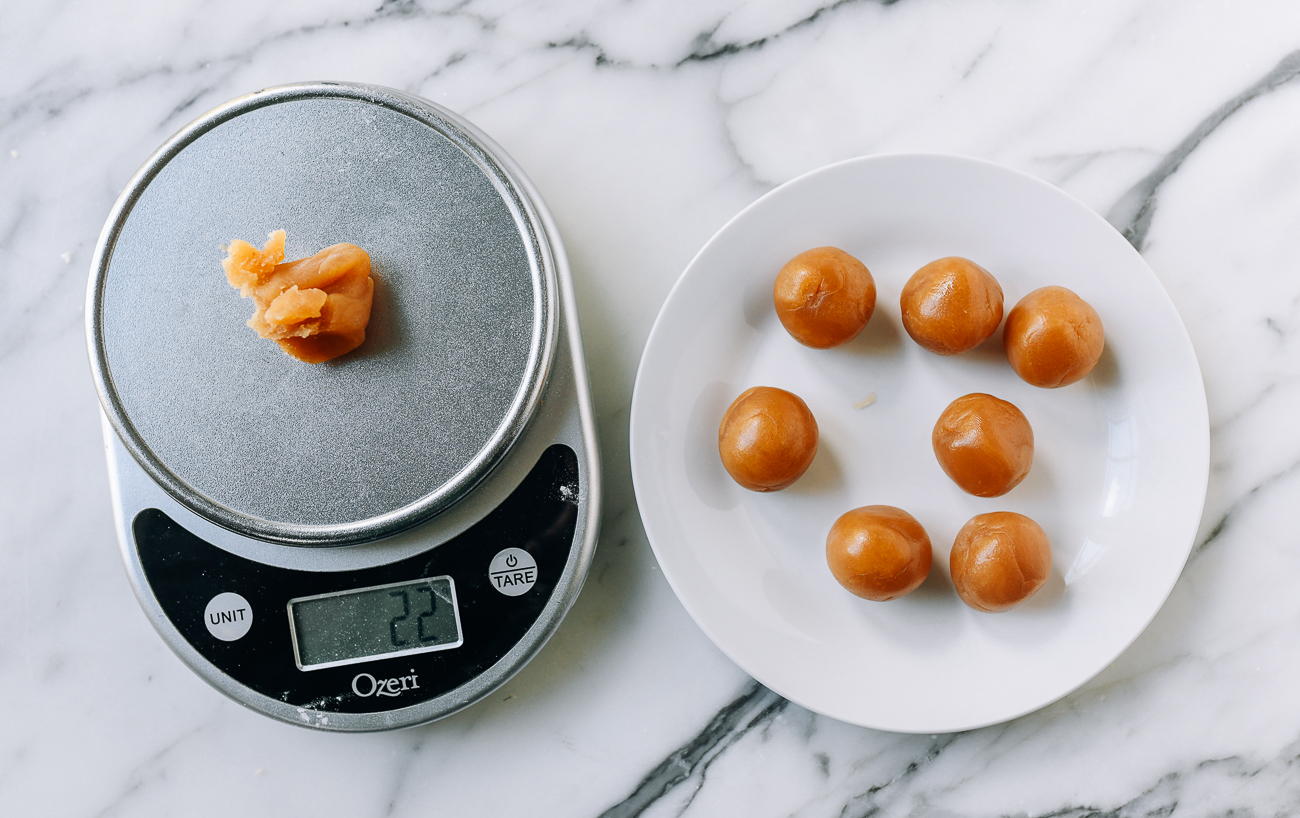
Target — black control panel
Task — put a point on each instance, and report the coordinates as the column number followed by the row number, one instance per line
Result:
column 204, row 591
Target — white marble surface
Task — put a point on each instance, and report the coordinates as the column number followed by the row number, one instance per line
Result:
column 646, row 125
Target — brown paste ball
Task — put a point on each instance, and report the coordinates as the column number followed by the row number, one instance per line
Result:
column 951, row 305
column 984, row 444
column 824, row 297
column 767, row 439
column 1053, row 337
column 878, row 552
column 999, row 560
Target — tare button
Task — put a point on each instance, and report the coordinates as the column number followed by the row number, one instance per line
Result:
column 513, row 571
column 228, row 616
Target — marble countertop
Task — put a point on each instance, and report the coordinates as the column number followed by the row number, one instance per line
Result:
column 646, row 125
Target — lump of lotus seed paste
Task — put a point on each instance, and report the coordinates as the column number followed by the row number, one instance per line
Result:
column 315, row 308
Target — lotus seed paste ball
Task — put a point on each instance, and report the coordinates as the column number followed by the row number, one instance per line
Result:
column 985, row 444
column 767, row 439
column 878, row 552
column 1053, row 337
column 999, row 560
column 951, row 305
column 824, row 297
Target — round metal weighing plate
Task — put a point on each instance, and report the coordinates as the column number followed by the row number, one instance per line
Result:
column 460, row 336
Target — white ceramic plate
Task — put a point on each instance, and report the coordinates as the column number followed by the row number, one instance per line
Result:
column 1120, row 465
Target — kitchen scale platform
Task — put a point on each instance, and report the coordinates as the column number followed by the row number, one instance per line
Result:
column 383, row 539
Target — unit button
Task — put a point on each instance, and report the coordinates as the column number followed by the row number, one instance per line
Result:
column 228, row 616
column 513, row 571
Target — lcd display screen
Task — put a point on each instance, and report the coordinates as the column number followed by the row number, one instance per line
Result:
column 398, row 619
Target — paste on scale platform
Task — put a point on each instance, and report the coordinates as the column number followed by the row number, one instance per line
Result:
column 315, row 308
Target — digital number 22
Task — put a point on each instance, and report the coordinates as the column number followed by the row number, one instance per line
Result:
column 406, row 614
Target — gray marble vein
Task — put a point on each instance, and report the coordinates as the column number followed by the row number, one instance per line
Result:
column 688, row 765
column 1133, row 213
column 1241, row 504
column 706, row 48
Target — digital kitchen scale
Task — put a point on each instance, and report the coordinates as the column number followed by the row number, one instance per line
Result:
column 383, row 539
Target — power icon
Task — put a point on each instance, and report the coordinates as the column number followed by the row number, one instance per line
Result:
column 511, row 561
